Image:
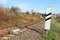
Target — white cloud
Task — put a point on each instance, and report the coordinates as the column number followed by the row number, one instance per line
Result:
column 3, row 1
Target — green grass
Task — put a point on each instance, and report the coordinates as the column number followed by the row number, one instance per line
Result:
column 53, row 34
column 54, row 24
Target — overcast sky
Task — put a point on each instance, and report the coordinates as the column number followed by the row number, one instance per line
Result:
column 36, row 5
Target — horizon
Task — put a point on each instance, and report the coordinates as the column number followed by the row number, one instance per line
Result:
column 36, row 5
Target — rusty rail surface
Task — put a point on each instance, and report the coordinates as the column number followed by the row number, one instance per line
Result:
column 22, row 26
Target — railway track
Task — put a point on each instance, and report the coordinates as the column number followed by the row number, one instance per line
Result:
column 33, row 29
column 4, row 31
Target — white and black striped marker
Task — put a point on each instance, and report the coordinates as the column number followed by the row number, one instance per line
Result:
column 48, row 18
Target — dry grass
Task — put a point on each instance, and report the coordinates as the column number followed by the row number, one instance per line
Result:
column 20, row 19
